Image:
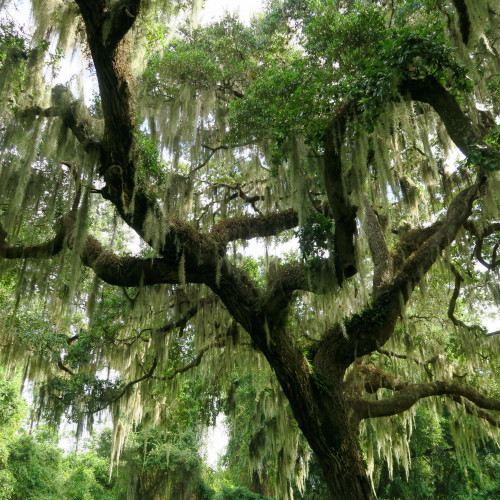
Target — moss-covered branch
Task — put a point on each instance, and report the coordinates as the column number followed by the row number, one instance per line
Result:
column 411, row 394
column 248, row 227
column 458, row 125
column 370, row 329
column 342, row 210
column 42, row 251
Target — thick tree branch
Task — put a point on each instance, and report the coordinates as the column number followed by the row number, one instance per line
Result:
column 81, row 128
column 104, row 30
column 413, row 393
column 42, row 251
column 411, row 241
column 122, row 17
column 370, row 329
column 463, row 19
column 458, row 125
column 374, row 378
column 130, row 271
column 247, row 227
column 343, row 212
column 382, row 259
column 478, row 412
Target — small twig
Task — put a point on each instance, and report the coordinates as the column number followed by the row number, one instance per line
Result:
column 149, row 374
column 424, row 364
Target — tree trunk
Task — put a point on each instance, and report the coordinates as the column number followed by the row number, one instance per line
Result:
column 337, row 450
column 323, row 417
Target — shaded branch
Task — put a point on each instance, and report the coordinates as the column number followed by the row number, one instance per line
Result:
column 371, row 328
column 413, row 393
column 44, row 250
column 63, row 367
column 343, row 212
column 478, row 250
column 458, row 125
column 122, row 17
column 81, row 129
column 478, row 412
column 410, row 241
column 463, row 19
column 480, row 234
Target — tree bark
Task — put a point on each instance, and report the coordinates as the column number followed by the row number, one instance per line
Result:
column 323, row 416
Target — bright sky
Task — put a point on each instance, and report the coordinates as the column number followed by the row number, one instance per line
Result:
column 214, row 9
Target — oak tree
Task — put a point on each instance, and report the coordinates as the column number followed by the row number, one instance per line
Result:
column 364, row 131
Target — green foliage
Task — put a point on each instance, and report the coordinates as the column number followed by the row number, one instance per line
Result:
column 435, row 472
column 13, row 42
column 273, row 89
column 315, row 237
column 12, row 412
column 238, row 493
column 151, row 164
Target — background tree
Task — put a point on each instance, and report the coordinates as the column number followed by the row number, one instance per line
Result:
column 336, row 117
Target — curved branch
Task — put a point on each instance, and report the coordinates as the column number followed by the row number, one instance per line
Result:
column 81, row 129
column 458, row 125
column 371, row 328
column 453, row 301
column 44, row 250
column 479, row 255
column 63, row 367
column 129, row 271
column 147, row 375
column 247, row 227
column 411, row 394
column 172, row 325
column 478, row 412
